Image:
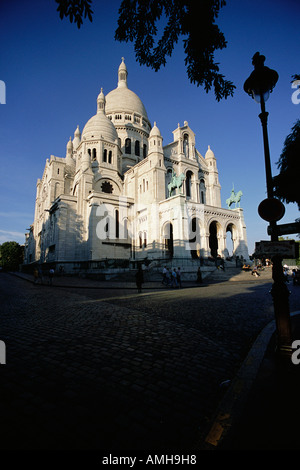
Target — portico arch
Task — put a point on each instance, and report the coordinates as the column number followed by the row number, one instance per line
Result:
column 194, row 238
column 231, row 238
column 167, row 236
column 214, row 233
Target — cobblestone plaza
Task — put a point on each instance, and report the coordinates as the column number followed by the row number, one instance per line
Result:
column 111, row 369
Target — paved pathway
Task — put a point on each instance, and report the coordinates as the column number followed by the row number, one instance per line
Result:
column 112, row 369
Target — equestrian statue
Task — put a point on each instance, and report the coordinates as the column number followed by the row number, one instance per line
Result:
column 176, row 182
column 234, row 198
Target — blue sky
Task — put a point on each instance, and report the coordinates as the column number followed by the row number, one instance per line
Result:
column 53, row 73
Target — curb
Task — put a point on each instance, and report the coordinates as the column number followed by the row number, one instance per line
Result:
column 133, row 287
column 232, row 404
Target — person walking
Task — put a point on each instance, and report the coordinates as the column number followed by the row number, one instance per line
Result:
column 35, row 275
column 51, row 274
column 164, row 279
column 179, row 277
column 174, row 278
column 199, row 276
column 168, row 277
column 139, row 277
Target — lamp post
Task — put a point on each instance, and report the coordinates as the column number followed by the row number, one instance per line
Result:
column 259, row 85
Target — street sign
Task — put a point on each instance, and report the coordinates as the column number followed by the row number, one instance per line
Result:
column 271, row 209
column 285, row 229
column 286, row 248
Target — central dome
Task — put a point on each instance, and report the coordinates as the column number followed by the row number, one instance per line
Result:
column 121, row 99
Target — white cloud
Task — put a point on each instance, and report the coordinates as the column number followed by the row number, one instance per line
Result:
column 8, row 236
column 16, row 214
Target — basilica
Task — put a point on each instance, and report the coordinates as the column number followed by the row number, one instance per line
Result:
column 119, row 197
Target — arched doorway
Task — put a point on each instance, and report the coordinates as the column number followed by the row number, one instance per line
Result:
column 230, row 239
column 213, row 239
column 168, row 240
column 194, row 238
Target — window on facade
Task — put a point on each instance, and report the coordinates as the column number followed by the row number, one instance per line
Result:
column 110, row 156
column 89, row 152
column 188, row 184
column 58, row 171
column 140, row 240
column 202, row 191
column 137, row 148
column 106, row 187
column 145, row 239
column 94, row 154
column 104, row 155
column 117, row 224
column 144, row 151
column 128, row 146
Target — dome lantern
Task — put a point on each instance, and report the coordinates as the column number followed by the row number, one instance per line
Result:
column 101, row 102
column 122, row 74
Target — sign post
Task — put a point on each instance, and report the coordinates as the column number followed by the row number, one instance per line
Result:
column 277, row 250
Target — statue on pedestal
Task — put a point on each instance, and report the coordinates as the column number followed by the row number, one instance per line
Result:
column 234, row 198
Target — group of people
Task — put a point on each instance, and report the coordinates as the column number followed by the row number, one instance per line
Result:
column 171, row 277
column 39, row 276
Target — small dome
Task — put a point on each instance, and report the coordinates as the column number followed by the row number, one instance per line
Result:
column 209, row 153
column 70, row 144
column 77, row 132
column 99, row 125
column 77, row 137
column 155, row 131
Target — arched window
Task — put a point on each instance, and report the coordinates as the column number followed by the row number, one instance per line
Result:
column 104, row 155
column 145, row 239
column 188, row 184
column 94, row 155
column 202, row 191
column 128, row 146
column 137, row 148
column 110, row 156
column 117, row 224
column 144, row 151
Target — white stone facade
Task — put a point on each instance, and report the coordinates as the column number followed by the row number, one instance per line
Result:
column 108, row 200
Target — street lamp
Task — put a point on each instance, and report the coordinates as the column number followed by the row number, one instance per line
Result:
column 259, row 85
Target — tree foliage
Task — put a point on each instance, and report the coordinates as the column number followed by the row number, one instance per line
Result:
column 11, row 255
column 75, row 10
column 286, row 183
column 193, row 22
